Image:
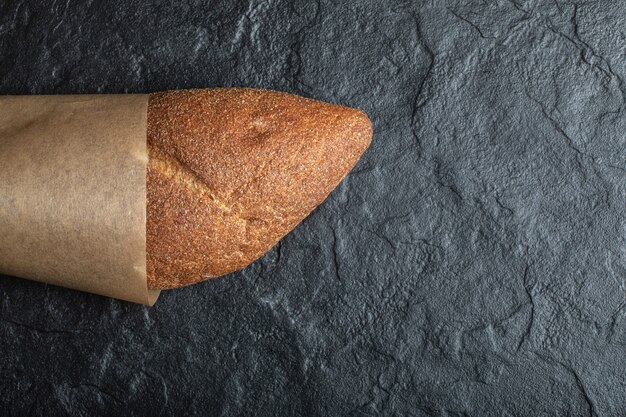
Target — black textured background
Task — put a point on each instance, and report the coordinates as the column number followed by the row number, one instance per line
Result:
column 473, row 264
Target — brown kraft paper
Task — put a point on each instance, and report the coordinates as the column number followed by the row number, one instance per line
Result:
column 73, row 192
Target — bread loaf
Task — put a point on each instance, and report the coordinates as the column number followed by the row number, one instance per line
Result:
column 232, row 171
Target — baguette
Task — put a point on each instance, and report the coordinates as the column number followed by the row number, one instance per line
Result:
column 232, row 171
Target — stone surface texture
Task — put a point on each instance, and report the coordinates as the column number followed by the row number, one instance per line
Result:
column 473, row 263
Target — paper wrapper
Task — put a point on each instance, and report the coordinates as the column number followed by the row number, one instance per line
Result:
column 73, row 192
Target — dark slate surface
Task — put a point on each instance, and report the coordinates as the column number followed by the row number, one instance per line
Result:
column 473, row 264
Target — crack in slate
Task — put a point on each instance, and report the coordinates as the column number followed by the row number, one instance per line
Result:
column 469, row 22
column 47, row 331
column 579, row 383
column 295, row 46
column 335, row 255
column 531, row 320
column 102, row 391
column 584, row 392
column 420, row 102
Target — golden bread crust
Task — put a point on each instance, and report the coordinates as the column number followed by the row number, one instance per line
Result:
column 232, row 171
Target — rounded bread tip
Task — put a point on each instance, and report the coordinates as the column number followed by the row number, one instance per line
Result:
column 364, row 128
column 231, row 171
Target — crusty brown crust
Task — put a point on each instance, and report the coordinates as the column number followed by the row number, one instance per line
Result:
column 232, row 171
